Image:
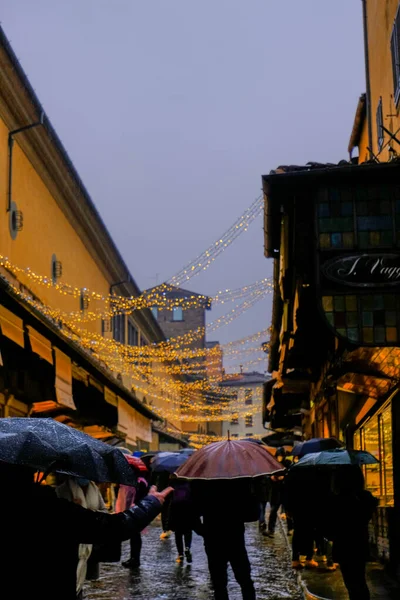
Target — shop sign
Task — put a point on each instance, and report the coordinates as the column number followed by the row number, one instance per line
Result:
column 364, row 270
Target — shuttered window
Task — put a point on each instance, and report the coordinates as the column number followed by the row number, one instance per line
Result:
column 395, row 50
column 379, row 125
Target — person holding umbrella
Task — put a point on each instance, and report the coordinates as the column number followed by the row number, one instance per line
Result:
column 163, row 464
column 48, row 530
column 127, row 497
column 86, row 494
column 182, row 519
column 351, row 508
column 221, row 475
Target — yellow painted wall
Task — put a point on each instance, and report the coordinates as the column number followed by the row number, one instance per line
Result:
column 380, row 19
column 46, row 232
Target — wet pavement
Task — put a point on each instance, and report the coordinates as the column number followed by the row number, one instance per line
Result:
column 160, row 578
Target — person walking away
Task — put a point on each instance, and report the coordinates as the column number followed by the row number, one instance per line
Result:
column 162, row 481
column 351, row 509
column 225, row 507
column 275, row 501
column 262, row 490
column 50, row 529
column 84, row 493
column 127, row 497
column 298, row 493
column 182, row 519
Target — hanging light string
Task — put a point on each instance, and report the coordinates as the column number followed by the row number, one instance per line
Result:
column 206, row 258
column 113, row 305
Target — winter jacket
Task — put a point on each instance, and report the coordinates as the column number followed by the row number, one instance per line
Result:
column 89, row 498
column 40, row 544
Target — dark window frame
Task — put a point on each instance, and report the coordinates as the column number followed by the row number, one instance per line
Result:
column 133, row 334
column 248, row 421
column 118, row 328
column 248, row 396
column 175, row 308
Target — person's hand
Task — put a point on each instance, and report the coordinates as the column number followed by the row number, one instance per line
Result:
column 160, row 495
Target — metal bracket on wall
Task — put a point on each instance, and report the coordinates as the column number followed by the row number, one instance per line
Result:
column 10, row 154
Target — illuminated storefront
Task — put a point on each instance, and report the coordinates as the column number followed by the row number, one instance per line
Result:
column 376, row 437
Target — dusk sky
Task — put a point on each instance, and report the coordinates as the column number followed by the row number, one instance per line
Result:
column 171, row 111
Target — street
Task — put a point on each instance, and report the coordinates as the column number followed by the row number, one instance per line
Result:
column 160, row 578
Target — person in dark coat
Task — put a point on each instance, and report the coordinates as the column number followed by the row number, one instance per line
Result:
column 182, row 519
column 41, row 536
column 225, row 507
column 350, row 510
column 298, row 498
column 262, row 490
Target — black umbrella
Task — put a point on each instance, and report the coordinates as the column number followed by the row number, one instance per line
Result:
column 316, row 445
column 47, row 445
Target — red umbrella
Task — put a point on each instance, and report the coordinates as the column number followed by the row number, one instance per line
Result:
column 229, row 460
column 136, row 463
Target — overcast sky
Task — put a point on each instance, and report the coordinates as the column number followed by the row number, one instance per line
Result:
column 171, row 111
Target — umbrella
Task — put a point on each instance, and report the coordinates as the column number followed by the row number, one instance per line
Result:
column 187, row 451
column 316, row 445
column 254, row 441
column 136, row 463
column 47, row 445
column 229, row 459
column 336, row 457
column 168, row 461
column 138, row 453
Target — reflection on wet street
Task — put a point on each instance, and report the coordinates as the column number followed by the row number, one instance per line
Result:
column 160, row 578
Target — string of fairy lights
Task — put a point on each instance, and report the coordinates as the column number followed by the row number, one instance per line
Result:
column 180, row 376
column 206, row 258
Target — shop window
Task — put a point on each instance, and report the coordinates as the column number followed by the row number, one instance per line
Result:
column 249, row 435
column 248, row 396
column 376, row 437
column 154, row 310
column 177, row 313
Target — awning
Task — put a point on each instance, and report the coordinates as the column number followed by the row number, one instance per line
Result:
column 40, row 345
column 110, row 397
column 133, row 424
column 63, row 382
column 12, row 326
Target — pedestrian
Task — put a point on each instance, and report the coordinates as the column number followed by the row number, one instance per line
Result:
column 84, row 493
column 262, row 489
column 127, row 497
column 350, row 510
column 45, row 531
column 298, row 497
column 275, row 501
column 162, row 481
column 182, row 520
column 225, row 506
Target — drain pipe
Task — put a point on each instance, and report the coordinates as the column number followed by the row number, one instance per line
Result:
column 10, row 154
column 367, row 76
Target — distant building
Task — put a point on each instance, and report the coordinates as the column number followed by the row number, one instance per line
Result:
column 180, row 320
column 249, row 388
column 214, row 362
